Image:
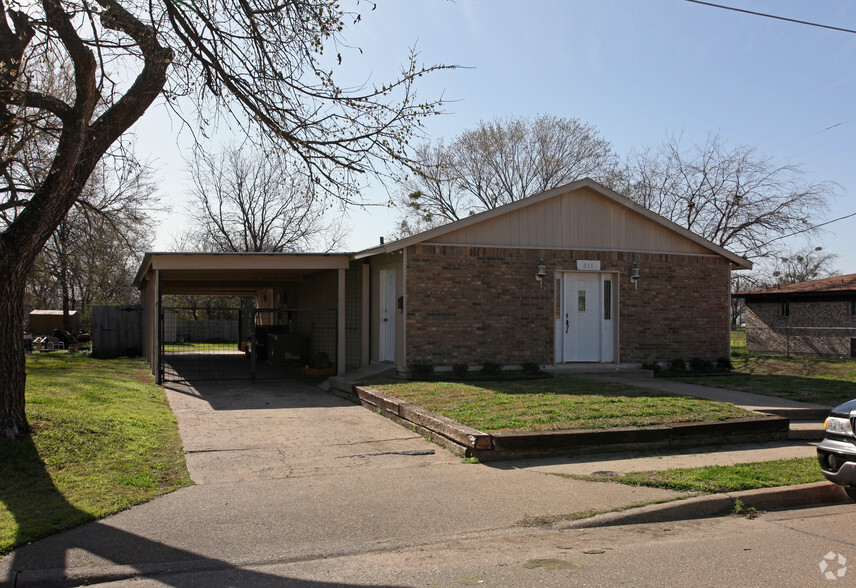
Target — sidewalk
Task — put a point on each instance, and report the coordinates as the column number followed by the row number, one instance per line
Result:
column 293, row 474
column 806, row 419
column 796, row 411
column 613, row 464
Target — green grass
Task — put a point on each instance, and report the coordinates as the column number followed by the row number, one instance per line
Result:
column 104, row 439
column 819, row 380
column 558, row 403
column 189, row 347
column 733, row 478
column 738, row 342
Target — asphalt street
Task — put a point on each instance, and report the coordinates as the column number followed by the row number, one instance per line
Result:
column 798, row 547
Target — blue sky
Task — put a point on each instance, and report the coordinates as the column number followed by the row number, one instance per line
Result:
column 637, row 71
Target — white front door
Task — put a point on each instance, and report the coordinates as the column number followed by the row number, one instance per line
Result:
column 581, row 320
column 585, row 309
column 387, row 315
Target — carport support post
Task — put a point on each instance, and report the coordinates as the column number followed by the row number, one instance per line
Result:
column 340, row 326
column 157, row 329
column 365, row 331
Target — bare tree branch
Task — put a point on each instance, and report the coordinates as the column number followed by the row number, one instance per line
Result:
column 247, row 201
column 730, row 196
column 498, row 162
column 68, row 92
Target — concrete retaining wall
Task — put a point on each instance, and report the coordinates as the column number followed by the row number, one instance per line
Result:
column 469, row 442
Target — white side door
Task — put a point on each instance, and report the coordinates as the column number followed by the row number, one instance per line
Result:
column 386, row 328
column 581, row 320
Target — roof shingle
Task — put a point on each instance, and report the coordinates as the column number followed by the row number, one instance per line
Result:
column 835, row 284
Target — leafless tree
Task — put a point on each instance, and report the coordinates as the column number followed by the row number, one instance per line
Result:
column 431, row 196
column 91, row 255
column 805, row 264
column 245, row 200
column 68, row 92
column 498, row 162
column 728, row 195
column 786, row 267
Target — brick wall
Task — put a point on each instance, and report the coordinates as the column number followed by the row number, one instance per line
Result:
column 812, row 327
column 473, row 304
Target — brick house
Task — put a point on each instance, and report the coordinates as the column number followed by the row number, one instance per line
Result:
column 817, row 317
column 575, row 274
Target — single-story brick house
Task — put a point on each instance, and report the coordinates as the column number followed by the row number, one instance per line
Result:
column 575, row 274
column 817, row 317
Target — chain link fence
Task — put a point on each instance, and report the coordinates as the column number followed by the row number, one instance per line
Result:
column 245, row 343
column 788, row 340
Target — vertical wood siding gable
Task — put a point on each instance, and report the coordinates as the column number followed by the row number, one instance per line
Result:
column 579, row 219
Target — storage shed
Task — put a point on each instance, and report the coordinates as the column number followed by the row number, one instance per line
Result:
column 43, row 322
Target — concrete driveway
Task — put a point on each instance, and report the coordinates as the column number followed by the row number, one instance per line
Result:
column 285, row 472
column 234, row 431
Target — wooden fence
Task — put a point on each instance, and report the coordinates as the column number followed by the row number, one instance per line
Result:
column 117, row 331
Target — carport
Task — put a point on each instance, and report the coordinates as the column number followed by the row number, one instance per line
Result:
column 286, row 288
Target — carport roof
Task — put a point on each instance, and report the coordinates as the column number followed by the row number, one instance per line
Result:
column 229, row 274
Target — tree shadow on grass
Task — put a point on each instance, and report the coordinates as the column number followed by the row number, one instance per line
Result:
column 40, row 511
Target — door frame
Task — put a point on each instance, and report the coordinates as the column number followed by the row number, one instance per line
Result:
column 607, row 331
column 386, row 314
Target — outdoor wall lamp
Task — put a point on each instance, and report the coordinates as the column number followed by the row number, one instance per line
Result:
column 542, row 271
column 634, row 275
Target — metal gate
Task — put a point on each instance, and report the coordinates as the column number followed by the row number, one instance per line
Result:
column 240, row 344
column 292, row 340
column 204, row 344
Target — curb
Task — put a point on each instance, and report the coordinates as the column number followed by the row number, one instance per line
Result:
column 715, row 505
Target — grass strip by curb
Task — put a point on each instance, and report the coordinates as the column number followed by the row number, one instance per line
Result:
column 718, row 479
column 103, row 440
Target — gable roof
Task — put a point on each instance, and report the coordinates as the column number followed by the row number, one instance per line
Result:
column 834, row 286
column 632, row 214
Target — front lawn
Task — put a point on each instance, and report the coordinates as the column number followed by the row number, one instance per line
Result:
column 558, row 403
column 818, row 380
column 104, row 439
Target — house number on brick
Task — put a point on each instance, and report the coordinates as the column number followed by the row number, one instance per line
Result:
column 588, row 265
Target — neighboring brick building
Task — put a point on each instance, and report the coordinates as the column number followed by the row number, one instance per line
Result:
column 817, row 317
column 575, row 274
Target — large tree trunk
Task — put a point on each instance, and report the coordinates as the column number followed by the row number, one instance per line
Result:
column 82, row 143
column 13, row 376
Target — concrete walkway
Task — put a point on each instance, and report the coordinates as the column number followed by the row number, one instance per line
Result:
column 288, row 473
column 756, row 402
column 806, row 418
